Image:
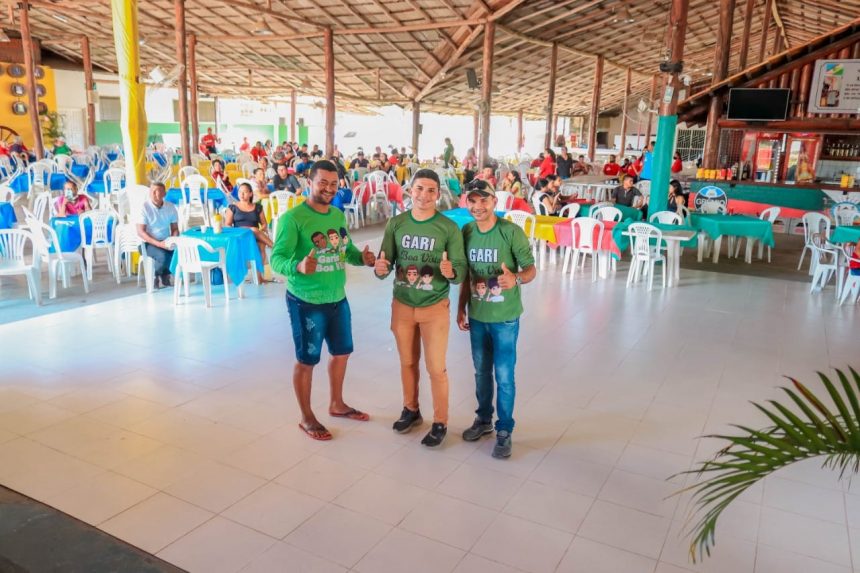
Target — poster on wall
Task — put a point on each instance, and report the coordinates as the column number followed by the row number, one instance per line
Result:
column 835, row 87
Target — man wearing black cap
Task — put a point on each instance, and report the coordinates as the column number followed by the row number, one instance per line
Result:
column 360, row 161
column 500, row 257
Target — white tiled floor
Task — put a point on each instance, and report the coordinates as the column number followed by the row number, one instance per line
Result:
column 175, row 428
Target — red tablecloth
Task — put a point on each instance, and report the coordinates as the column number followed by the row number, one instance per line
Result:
column 755, row 209
column 395, row 192
column 563, row 237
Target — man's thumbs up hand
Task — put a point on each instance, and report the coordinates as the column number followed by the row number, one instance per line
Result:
column 381, row 265
column 507, row 280
column 308, row 266
column 367, row 257
column 445, row 267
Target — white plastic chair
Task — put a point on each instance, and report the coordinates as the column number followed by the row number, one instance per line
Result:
column 185, row 172
column 504, row 200
column 188, row 253
column 851, row 288
column 845, row 213
column 7, row 194
column 825, row 265
column 41, row 205
column 126, row 244
column 13, row 244
column 537, row 204
column 103, row 222
column 570, row 211
column 377, row 183
column 813, row 223
column 607, row 214
column 590, row 232
column 354, row 210
column 39, row 174
column 527, row 222
column 114, row 180
column 646, row 240
column 44, row 241
column 194, row 201
column 63, row 162
column 666, row 218
column 770, row 215
column 281, row 202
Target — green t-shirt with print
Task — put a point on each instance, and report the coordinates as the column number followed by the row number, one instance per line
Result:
column 301, row 229
column 415, row 249
column 504, row 243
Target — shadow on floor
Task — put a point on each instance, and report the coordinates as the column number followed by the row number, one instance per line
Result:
column 36, row 538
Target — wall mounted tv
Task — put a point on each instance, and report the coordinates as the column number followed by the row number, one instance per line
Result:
column 758, row 104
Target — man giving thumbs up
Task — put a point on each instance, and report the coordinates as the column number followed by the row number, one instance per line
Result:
column 499, row 256
column 420, row 315
column 316, row 298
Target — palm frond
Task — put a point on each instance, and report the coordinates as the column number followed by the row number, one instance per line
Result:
column 812, row 429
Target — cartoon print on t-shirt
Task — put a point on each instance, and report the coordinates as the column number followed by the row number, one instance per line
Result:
column 426, row 278
column 479, row 289
column 495, row 290
column 333, row 239
column 412, row 276
column 319, row 241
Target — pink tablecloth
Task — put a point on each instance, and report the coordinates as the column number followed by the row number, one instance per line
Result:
column 564, row 239
column 395, row 192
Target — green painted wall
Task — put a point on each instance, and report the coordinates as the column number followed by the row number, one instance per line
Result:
column 109, row 132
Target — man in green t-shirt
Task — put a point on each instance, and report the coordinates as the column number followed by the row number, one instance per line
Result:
column 500, row 261
column 448, row 153
column 426, row 250
column 311, row 249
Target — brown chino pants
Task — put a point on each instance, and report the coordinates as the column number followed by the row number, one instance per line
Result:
column 427, row 326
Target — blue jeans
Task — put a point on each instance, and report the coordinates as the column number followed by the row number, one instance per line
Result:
column 313, row 323
column 494, row 346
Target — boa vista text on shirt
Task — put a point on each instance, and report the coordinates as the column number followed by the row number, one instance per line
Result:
column 327, row 262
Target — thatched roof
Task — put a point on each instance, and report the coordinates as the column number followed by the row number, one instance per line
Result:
column 380, row 56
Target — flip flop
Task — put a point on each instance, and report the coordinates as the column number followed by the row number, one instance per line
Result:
column 318, row 432
column 352, row 414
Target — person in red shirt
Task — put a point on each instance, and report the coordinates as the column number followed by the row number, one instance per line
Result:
column 677, row 165
column 537, row 161
column 487, row 175
column 208, row 141
column 611, row 168
column 4, row 149
column 257, row 152
column 217, row 173
column 246, row 146
column 547, row 166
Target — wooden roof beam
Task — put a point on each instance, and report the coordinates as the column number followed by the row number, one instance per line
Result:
column 467, row 41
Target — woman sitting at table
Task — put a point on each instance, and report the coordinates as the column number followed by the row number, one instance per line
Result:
column 260, row 184
column 245, row 213
column 217, row 173
column 70, row 203
column 513, row 184
column 677, row 198
column 549, row 196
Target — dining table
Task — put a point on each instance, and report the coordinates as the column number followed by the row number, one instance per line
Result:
column 68, row 231
column 21, row 183
column 717, row 226
column 7, row 215
column 240, row 249
column 674, row 239
column 213, row 195
column 845, row 234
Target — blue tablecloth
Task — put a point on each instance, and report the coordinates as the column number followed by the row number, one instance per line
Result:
column 174, row 195
column 7, row 215
column 21, row 184
column 462, row 216
column 69, row 232
column 239, row 245
column 82, row 171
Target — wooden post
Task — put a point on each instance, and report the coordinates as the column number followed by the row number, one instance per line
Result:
column 520, row 131
column 486, row 92
column 745, row 37
column 623, row 142
column 650, row 118
column 765, row 25
column 665, row 143
column 777, row 43
column 550, row 98
column 595, row 108
column 476, row 122
column 88, row 83
column 293, row 97
column 378, row 85
column 328, row 45
column 416, row 126
column 30, row 66
column 192, row 74
column 722, row 53
column 182, row 83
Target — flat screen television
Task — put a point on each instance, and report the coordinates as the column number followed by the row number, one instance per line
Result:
column 758, row 104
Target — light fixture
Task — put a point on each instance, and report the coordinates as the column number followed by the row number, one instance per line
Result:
column 141, row 42
column 60, row 17
column 156, row 75
column 263, row 28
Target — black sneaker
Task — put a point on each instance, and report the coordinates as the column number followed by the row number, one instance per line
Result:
column 435, row 436
column 408, row 418
column 477, row 429
column 502, row 449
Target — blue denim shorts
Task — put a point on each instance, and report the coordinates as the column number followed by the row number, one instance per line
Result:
column 313, row 323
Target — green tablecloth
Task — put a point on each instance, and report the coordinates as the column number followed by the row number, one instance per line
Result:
column 845, row 235
column 795, row 197
column 623, row 241
column 628, row 213
column 454, row 186
column 737, row 225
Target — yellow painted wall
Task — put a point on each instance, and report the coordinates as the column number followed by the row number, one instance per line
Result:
column 21, row 123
